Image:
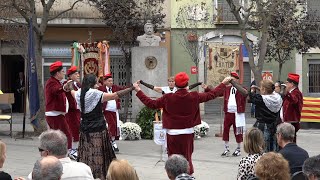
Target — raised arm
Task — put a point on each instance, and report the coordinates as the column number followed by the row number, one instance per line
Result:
column 116, row 95
column 194, row 85
column 153, row 104
column 214, row 92
column 150, row 86
column 242, row 90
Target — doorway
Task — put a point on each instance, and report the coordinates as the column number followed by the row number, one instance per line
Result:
column 11, row 66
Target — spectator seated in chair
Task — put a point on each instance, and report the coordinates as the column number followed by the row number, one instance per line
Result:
column 177, row 167
column 272, row 166
column 311, row 168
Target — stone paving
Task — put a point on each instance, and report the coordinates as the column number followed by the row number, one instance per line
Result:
column 144, row 154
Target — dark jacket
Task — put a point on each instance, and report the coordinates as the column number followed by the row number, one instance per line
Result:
column 262, row 113
column 295, row 156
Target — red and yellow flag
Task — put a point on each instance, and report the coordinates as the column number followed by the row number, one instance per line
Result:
column 311, row 110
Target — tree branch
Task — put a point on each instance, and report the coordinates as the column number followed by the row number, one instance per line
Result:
column 13, row 21
column 20, row 11
column 44, row 5
column 62, row 12
column 50, row 4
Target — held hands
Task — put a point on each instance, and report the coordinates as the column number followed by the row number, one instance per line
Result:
column 254, row 88
column 227, row 80
column 204, row 86
column 136, row 86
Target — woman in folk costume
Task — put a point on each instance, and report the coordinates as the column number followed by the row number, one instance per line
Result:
column 167, row 89
column 95, row 149
column 268, row 104
column 73, row 115
column 111, row 108
column 181, row 113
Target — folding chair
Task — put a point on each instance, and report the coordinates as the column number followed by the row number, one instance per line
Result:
column 4, row 116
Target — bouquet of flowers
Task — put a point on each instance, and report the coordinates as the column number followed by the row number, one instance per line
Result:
column 201, row 130
column 130, row 131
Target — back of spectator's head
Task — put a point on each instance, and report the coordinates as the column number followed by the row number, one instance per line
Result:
column 176, row 165
column 184, row 176
column 121, row 169
column 47, row 168
column 254, row 141
column 2, row 153
column 272, row 166
column 311, row 168
column 286, row 131
column 54, row 142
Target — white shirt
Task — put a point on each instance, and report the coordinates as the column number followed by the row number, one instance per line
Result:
column 232, row 103
column 167, row 90
column 73, row 170
column 112, row 104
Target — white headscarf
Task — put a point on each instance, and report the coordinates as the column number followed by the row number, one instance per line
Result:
column 273, row 102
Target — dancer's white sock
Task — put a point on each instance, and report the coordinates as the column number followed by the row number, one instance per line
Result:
column 75, row 145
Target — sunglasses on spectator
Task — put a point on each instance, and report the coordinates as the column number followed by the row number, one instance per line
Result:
column 41, row 150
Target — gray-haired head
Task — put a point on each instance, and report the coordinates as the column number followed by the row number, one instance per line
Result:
column 311, row 167
column 54, row 141
column 176, row 165
column 287, row 131
column 47, row 168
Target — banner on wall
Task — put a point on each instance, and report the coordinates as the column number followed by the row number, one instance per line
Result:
column 221, row 60
column 91, row 58
column 95, row 57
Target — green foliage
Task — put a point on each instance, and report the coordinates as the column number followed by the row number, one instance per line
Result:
column 145, row 120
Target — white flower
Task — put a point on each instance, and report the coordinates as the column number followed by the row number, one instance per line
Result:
column 130, row 131
column 201, row 130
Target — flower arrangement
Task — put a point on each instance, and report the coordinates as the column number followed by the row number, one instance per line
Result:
column 130, row 131
column 201, row 130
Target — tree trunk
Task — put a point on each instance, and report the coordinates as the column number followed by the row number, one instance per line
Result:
column 280, row 70
column 41, row 117
column 128, row 81
column 257, row 76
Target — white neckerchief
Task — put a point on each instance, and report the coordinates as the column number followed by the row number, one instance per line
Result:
column 75, row 84
column 112, row 104
column 232, row 103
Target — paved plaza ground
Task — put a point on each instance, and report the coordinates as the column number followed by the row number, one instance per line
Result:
column 144, row 154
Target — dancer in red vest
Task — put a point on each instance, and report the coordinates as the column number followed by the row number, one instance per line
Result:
column 57, row 104
column 181, row 113
column 234, row 108
column 292, row 103
column 73, row 115
column 110, row 109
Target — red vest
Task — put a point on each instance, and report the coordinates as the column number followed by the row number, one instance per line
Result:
column 292, row 106
column 71, row 100
column 55, row 96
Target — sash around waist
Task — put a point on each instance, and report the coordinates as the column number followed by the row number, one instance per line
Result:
column 180, row 131
column 92, row 125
